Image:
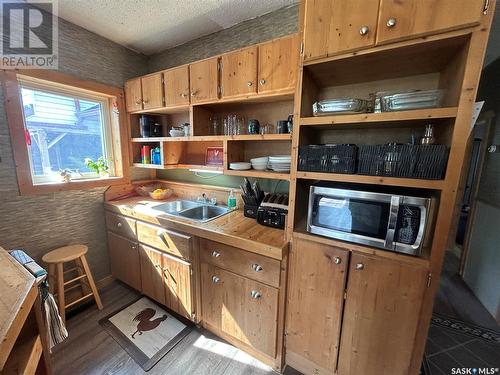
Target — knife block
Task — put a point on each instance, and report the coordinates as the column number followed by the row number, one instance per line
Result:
column 250, row 211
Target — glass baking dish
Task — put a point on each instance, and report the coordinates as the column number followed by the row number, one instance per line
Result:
column 340, row 106
column 411, row 100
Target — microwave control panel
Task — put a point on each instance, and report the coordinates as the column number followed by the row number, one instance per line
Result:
column 408, row 224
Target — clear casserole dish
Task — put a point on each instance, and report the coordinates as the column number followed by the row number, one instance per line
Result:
column 340, row 106
column 411, row 100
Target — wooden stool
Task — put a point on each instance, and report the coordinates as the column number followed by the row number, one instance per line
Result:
column 55, row 260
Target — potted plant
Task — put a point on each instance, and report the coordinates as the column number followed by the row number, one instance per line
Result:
column 100, row 166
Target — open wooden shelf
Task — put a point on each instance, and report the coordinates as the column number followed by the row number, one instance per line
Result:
column 208, row 168
column 373, row 180
column 399, row 116
column 258, row 174
column 24, row 357
column 248, row 137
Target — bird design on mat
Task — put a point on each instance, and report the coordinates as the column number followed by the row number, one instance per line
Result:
column 145, row 322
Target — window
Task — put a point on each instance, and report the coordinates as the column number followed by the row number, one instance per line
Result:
column 63, row 129
column 59, row 123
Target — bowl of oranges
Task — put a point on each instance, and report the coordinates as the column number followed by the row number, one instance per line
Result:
column 160, row 194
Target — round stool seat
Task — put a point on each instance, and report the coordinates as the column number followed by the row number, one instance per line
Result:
column 65, row 254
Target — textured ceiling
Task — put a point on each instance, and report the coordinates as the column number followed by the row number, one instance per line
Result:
column 151, row 26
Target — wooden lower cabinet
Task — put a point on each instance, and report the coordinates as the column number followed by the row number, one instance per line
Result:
column 317, row 276
column 241, row 308
column 384, row 299
column 167, row 280
column 124, row 259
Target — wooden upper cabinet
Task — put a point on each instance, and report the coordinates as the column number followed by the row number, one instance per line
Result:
column 133, row 94
column 403, row 19
column 204, row 82
column 381, row 315
column 334, row 26
column 317, row 277
column 176, row 86
column 278, row 63
column 124, row 259
column 239, row 72
column 178, row 292
column 152, row 91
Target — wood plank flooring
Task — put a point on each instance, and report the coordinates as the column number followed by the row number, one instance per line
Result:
column 90, row 350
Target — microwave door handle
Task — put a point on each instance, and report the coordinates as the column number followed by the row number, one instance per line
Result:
column 421, row 228
column 393, row 220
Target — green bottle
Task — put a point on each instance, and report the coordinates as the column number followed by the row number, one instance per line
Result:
column 231, row 201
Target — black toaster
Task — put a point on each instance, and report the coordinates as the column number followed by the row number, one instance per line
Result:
column 273, row 211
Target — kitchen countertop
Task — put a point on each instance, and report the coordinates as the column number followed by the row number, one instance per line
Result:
column 233, row 229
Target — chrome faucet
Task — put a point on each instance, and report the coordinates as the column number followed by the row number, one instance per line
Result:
column 203, row 199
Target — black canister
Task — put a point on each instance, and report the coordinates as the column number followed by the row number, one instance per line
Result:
column 282, row 126
column 145, row 126
column 156, row 130
column 253, row 126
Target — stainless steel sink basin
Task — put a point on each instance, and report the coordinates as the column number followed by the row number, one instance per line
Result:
column 176, row 206
column 204, row 213
column 196, row 211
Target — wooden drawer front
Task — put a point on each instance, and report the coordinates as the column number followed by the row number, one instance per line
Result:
column 245, row 309
column 171, row 242
column 245, row 263
column 121, row 225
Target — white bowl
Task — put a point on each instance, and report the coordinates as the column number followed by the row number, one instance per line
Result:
column 259, row 167
column 262, row 160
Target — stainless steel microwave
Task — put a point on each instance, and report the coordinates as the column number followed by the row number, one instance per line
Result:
column 392, row 222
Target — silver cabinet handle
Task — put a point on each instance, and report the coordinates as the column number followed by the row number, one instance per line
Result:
column 360, row 266
column 215, row 254
column 119, row 225
column 337, row 260
column 262, row 81
column 146, row 101
column 184, row 95
column 257, row 267
column 255, row 294
column 194, row 93
column 137, row 102
column 249, row 83
column 364, row 30
column 134, row 247
column 391, row 22
column 215, row 279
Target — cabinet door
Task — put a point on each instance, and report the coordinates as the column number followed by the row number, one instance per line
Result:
column 204, row 80
column 278, row 63
column 153, row 280
column 239, row 72
column 384, row 299
column 133, row 95
column 178, row 293
column 152, row 91
column 333, row 26
column 315, row 300
column 242, row 308
column 124, row 258
column 403, row 19
column 176, row 86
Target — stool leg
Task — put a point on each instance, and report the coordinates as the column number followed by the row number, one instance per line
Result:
column 90, row 279
column 83, row 283
column 52, row 278
column 60, row 291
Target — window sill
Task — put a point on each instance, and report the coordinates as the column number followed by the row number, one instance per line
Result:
column 53, row 187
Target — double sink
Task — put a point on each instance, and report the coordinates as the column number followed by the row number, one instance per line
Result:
column 200, row 212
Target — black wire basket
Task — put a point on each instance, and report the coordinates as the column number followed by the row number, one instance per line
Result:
column 329, row 158
column 395, row 160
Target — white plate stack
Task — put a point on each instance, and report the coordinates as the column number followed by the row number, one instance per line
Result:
column 280, row 163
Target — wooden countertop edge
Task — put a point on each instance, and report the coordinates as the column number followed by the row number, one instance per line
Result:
column 14, row 321
column 198, row 229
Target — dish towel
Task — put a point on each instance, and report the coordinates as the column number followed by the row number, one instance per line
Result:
column 56, row 330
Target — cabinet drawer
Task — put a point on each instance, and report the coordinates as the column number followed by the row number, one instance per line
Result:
column 242, row 308
column 121, row 225
column 254, row 266
column 171, row 242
